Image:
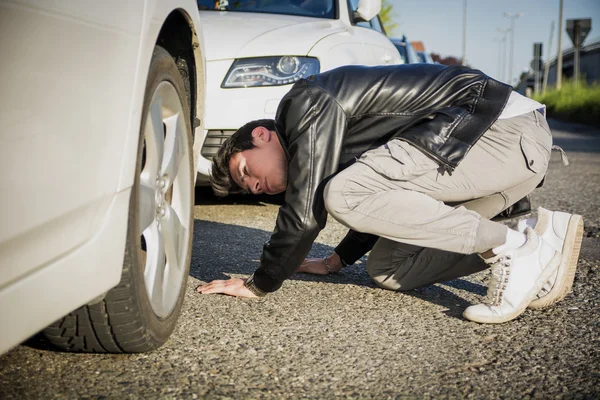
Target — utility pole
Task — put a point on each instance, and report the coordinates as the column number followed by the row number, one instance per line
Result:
column 464, row 38
column 503, row 32
column 537, row 65
column 499, row 41
column 560, row 56
column 512, row 18
column 547, row 66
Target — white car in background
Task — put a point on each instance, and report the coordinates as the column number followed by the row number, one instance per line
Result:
column 256, row 50
column 100, row 135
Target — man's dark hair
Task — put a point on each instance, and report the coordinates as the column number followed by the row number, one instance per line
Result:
column 220, row 178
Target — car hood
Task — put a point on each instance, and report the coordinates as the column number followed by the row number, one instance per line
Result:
column 229, row 35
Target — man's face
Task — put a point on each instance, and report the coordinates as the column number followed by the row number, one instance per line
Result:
column 262, row 169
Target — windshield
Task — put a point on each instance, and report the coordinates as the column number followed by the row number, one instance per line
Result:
column 304, row 8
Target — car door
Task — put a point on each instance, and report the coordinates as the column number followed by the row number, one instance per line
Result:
column 63, row 123
column 378, row 48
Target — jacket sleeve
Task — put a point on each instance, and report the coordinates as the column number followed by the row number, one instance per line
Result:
column 355, row 245
column 314, row 125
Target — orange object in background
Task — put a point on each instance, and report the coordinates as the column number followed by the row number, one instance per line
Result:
column 418, row 46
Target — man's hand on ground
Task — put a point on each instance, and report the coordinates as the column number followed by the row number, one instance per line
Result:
column 317, row 265
column 232, row 287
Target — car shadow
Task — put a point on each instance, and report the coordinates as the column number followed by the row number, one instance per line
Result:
column 222, row 250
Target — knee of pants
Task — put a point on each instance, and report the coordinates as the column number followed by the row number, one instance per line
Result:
column 387, row 280
column 385, row 274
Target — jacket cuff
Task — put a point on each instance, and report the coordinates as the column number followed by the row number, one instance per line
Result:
column 347, row 254
column 253, row 288
column 354, row 246
column 262, row 282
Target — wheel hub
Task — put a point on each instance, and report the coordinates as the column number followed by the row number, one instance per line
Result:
column 160, row 196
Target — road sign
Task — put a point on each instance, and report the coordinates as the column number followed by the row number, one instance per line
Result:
column 537, row 65
column 578, row 30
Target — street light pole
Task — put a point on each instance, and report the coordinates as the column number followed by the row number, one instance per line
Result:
column 464, row 38
column 559, row 59
column 547, row 64
column 503, row 32
column 499, row 41
column 512, row 18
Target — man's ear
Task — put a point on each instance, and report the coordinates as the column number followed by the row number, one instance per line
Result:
column 261, row 134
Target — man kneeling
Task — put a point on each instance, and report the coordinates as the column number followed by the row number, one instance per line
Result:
column 414, row 160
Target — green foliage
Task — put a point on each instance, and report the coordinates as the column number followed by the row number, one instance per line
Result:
column 575, row 101
column 387, row 16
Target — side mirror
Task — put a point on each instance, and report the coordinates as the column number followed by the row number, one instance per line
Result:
column 367, row 10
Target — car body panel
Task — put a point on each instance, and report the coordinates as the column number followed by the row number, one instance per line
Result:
column 264, row 34
column 382, row 51
column 44, row 136
column 73, row 86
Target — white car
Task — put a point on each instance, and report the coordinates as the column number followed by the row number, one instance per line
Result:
column 100, row 132
column 256, row 50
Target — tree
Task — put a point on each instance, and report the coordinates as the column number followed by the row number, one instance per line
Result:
column 387, row 16
column 447, row 60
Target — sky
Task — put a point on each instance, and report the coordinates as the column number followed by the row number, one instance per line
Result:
column 439, row 25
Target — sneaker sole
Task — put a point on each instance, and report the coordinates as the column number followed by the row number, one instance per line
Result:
column 567, row 267
column 539, row 283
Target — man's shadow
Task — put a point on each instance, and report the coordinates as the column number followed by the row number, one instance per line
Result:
column 221, row 250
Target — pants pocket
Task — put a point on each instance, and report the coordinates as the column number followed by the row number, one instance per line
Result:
column 535, row 154
column 398, row 160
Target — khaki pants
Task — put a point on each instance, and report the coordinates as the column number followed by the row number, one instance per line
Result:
column 431, row 223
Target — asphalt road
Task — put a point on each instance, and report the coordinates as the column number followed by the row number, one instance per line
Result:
column 341, row 336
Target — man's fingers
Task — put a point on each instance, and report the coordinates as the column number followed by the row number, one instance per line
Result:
column 213, row 289
column 232, row 287
column 313, row 266
column 211, row 286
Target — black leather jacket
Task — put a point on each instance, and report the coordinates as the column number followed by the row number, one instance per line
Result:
column 326, row 121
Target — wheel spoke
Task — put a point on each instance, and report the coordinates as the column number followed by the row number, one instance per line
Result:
column 154, row 135
column 165, row 198
column 147, row 204
column 173, row 151
column 172, row 232
column 155, row 264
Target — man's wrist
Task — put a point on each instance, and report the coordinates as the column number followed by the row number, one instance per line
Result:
column 344, row 263
column 337, row 261
column 251, row 286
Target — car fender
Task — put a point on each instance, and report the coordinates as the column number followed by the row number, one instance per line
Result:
column 156, row 12
column 344, row 48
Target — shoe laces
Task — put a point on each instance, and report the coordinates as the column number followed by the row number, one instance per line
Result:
column 499, row 279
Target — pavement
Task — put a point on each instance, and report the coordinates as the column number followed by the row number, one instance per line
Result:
column 341, row 336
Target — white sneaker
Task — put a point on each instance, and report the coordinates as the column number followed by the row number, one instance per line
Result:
column 564, row 233
column 517, row 277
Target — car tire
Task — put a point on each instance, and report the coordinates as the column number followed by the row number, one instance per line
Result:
column 140, row 313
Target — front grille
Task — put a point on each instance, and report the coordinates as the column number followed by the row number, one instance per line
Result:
column 213, row 142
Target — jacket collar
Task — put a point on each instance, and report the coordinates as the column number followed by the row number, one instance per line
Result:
column 284, row 143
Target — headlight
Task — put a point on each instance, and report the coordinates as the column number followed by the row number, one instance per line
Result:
column 269, row 71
